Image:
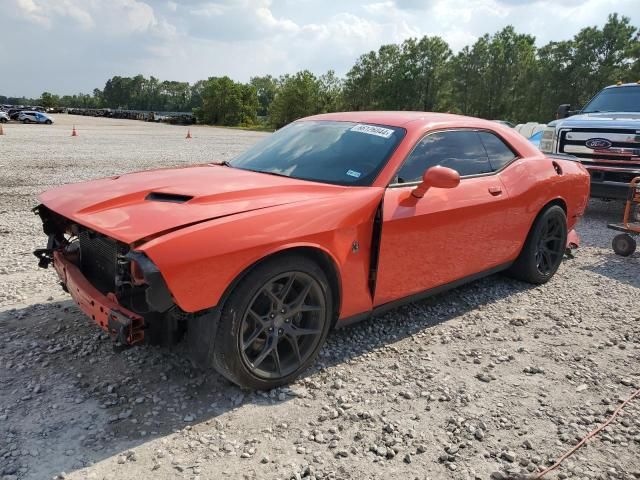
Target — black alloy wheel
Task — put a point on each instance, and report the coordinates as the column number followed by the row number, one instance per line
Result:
column 544, row 247
column 282, row 325
column 550, row 249
column 273, row 323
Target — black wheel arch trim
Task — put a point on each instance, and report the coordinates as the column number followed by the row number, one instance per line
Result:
column 322, row 258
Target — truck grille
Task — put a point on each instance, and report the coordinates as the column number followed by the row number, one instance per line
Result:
column 624, row 151
column 98, row 260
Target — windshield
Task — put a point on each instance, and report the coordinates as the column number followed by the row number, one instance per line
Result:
column 343, row 153
column 616, row 99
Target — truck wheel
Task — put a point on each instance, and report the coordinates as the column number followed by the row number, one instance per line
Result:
column 274, row 323
column 544, row 248
column 624, row 244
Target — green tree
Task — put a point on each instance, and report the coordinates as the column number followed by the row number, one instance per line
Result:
column 225, row 102
column 266, row 90
column 329, row 93
column 297, row 96
column 195, row 97
column 48, row 100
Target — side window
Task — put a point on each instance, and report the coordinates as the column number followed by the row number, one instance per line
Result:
column 461, row 150
column 499, row 153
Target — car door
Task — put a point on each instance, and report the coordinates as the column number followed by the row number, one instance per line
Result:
column 449, row 234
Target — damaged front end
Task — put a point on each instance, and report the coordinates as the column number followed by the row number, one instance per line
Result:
column 117, row 287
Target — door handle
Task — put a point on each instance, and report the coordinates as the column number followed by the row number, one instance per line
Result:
column 495, row 191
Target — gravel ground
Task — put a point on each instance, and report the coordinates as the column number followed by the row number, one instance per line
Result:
column 491, row 380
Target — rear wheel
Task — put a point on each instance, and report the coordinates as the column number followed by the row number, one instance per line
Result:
column 545, row 246
column 624, row 244
column 274, row 323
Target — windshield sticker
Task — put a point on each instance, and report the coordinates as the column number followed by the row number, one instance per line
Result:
column 373, row 130
column 353, row 173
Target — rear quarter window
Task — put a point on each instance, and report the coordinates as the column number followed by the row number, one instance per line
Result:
column 499, row 153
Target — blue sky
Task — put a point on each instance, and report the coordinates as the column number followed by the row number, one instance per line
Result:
column 70, row 46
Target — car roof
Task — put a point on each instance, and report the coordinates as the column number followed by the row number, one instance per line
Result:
column 408, row 120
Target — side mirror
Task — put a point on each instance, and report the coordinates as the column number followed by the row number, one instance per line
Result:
column 563, row 111
column 437, row 177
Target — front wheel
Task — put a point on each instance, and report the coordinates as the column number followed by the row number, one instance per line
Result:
column 544, row 248
column 274, row 323
column 48, row 122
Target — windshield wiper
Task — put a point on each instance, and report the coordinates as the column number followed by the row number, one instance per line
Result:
column 225, row 163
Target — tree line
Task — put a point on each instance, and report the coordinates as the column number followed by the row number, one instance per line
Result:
column 501, row 76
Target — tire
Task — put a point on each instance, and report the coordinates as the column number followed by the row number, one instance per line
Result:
column 544, row 248
column 25, row 121
column 48, row 122
column 623, row 244
column 254, row 344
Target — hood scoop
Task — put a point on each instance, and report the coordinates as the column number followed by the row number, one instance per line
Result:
column 167, row 197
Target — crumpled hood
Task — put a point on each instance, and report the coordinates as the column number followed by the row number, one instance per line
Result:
column 145, row 204
column 600, row 120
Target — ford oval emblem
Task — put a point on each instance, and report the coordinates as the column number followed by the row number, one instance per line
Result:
column 598, row 143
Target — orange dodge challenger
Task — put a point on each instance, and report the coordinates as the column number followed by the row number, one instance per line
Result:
column 329, row 220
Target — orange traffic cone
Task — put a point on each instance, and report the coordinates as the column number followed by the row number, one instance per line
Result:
column 188, row 134
column 73, row 132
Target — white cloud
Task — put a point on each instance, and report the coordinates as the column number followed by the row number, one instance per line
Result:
column 113, row 17
column 285, row 25
column 33, row 12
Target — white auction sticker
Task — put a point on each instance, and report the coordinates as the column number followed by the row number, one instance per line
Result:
column 373, row 130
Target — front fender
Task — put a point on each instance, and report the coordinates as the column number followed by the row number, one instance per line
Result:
column 200, row 262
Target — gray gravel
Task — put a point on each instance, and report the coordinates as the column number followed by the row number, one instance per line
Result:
column 492, row 380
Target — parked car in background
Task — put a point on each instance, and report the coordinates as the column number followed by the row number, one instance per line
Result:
column 34, row 117
column 4, row 117
column 14, row 113
column 535, row 138
column 327, row 221
column 605, row 135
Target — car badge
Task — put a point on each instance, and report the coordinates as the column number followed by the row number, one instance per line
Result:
column 598, row 143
